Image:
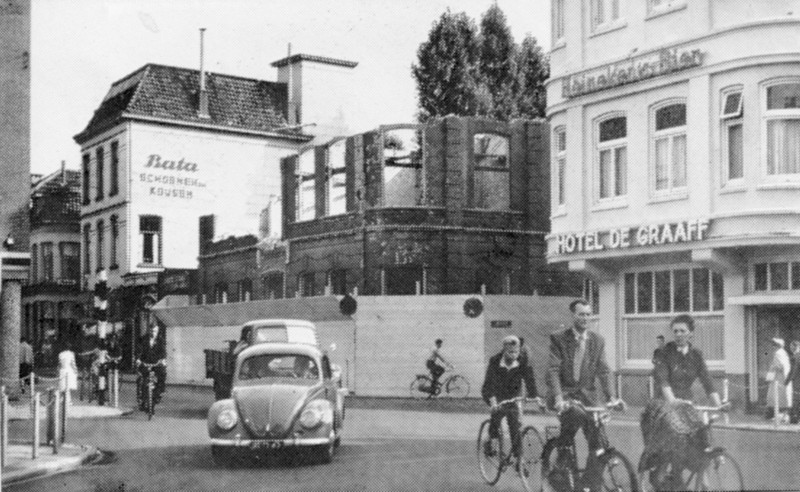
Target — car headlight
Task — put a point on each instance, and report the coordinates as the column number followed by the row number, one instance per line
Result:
column 227, row 419
column 315, row 413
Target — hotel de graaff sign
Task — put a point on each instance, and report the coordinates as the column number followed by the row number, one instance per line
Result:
column 663, row 62
column 684, row 231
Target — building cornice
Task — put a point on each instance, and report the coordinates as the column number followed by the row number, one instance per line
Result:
column 218, row 128
column 414, row 228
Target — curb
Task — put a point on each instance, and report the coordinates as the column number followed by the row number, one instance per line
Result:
column 68, row 464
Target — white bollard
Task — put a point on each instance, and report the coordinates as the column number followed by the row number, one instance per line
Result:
column 115, row 390
column 56, row 402
column 726, row 397
column 3, row 425
column 619, row 385
column 776, row 401
column 36, row 425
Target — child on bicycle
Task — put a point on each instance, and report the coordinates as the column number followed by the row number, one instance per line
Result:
column 436, row 364
column 505, row 375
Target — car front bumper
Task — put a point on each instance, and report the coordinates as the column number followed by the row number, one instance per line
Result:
column 292, row 442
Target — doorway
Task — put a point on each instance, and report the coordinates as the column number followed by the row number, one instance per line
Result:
column 773, row 321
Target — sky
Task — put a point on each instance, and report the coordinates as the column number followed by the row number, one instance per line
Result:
column 80, row 47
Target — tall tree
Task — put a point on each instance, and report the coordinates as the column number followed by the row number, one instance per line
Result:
column 446, row 72
column 497, row 66
column 533, row 69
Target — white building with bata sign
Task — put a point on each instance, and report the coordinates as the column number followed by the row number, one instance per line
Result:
column 675, row 134
column 168, row 146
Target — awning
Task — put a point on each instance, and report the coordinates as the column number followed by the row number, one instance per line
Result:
column 764, row 300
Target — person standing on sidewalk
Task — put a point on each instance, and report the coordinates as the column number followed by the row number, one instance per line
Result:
column 777, row 377
column 67, row 372
column 794, row 380
column 25, row 362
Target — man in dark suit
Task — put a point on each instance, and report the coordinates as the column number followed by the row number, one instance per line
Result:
column 577, row 362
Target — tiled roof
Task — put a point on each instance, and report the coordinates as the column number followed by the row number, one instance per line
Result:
column 172, row 94
column 313, row 58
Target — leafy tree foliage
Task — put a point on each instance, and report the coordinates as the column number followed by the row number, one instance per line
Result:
column 465, row 72
column 446, row 72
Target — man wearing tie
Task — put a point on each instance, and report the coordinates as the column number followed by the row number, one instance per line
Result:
column 577, row 361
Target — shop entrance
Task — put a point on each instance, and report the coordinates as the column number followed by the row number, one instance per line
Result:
column 773, row 321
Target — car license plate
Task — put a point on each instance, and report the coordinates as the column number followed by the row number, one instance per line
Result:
column 267, row 445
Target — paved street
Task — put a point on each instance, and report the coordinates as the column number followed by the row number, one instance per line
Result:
column 382, row 449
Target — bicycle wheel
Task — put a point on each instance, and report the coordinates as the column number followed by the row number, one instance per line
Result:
column 490, row 458
column 530, row 459
column 720, row 472
column 617, row 473
column 457, row 387
column 420, row 387
column 150, row 402
column 560, row 474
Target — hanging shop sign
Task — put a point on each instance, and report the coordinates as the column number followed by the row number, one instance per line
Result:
column 628, row 237
column 663, row 62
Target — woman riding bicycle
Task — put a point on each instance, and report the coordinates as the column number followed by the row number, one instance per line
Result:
column 671, row 427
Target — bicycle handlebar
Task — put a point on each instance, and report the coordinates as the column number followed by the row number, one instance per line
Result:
column 618, row 405
column 723, row 407
column 522, row 399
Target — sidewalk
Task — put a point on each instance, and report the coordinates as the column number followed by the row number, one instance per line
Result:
column 20, row 466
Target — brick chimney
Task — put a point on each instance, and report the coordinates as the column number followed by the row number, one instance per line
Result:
column 202, row 110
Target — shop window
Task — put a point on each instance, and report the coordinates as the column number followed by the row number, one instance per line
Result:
column 674, row 291
column 402, row 280
column 114, row 221
column 337, row 279
column 402, row 167
column 306, row 186
column 150, row 232
column 558, row 22
column 776, row 276
column 591, row 292
column 47, row 262
column 113, row 172
column 612, row 158
column 605, row 14
column 70, row 262
column 782, row 119
column 669, row 147
column 492, row 182
column 101, row 245
column 86, row 179
column 244, row 290
column 560, row 171
column 305, row 284
column 99, row 170
column 221, row 293
column 87, row 247
column 34, row 273
column 272, row 284
column 336, row 203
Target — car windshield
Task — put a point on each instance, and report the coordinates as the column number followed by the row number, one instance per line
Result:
column 281, row 333
column 265, row 366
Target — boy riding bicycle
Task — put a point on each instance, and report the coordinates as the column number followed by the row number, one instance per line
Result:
column 505, row 375
column 436, row 364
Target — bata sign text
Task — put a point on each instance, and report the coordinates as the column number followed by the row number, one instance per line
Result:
column 626, row 237
column 664, row 62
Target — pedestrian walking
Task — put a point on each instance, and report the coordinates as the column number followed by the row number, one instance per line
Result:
column 777, row 377
column 67, row 372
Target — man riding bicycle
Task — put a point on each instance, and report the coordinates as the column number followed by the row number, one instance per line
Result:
column 152, row 350
column 577, row 361
column 436, row 364
column 505, row 375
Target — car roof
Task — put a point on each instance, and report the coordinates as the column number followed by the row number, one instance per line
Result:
column 280, row 321
column 280, row 348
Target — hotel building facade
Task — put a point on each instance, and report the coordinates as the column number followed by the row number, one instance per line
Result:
column 675, row 153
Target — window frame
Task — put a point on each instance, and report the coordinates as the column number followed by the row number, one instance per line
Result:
column 671, row 134
column 559, row 169
column 666, row 8
column 614, row 145
column 477, row 170
column 417, row 164
column 559, row 23
column 330, row 172
column 301, row 177
column 113, row 185
column 48, row 261
column 114, row 242
column 609, row 22
column 99, row 173
column 100, row 258
column 34, row 271
column 157, row 246
column 86, row 178
column 87, row 248
column 793, row 273
column 769, row 115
